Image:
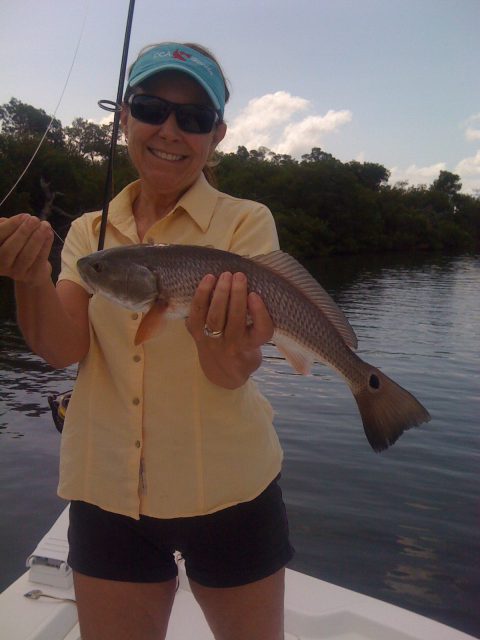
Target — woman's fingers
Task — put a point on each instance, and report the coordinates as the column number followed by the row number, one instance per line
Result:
column 40, row 265
column 218, row 310
column 25, row 243
column 262, row 327
column 236, row 324
column 9, row 225
column 200, row 305
column 222, row 305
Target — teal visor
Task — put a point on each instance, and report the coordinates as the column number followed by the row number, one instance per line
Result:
column 178, row 57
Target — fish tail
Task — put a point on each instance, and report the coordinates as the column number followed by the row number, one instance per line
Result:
column 387, row 409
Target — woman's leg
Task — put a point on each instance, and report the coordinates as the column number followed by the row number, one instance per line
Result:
column 250, row 612
column 116, row 610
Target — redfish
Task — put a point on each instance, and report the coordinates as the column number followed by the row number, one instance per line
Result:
column 160, row 281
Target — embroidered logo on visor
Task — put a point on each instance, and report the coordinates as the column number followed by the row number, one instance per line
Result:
column 181, row 55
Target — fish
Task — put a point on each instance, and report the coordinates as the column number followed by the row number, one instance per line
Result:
column 160, row 281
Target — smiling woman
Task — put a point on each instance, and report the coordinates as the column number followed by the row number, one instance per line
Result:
column 167, row 445
column 168, row 157
column 219, row 96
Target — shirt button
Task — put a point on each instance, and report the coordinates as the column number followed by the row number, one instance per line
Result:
column 136, row 358
column 134, row 316
column 136, row 401
column 138, row 444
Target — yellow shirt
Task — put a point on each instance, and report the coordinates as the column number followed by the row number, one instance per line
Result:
column 146, row 432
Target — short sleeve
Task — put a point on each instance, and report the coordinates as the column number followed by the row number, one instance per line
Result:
column 78, row 243
column 255, row 233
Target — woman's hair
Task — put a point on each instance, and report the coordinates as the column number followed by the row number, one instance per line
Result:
column 208, row 169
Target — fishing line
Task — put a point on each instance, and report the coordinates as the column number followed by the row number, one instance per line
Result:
column 87, row 4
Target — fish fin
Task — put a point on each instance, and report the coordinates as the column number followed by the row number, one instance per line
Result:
column 151, row 323
column 283, row 265
column 177, row 310
column 300, row 359
column 387, row 409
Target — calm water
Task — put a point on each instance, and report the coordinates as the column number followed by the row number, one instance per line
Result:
column 402, row 525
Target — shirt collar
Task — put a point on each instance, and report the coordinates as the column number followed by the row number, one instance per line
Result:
column 198, row 202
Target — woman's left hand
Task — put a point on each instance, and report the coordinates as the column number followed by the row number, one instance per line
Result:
column 223, row 305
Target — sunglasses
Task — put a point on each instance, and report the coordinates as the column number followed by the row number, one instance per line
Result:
column 191, row 118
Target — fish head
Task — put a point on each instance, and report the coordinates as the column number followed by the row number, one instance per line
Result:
column 117, row 275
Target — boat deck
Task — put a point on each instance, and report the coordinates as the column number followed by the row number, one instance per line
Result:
column 314, row 609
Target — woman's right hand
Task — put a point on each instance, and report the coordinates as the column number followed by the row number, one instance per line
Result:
column 25, row 244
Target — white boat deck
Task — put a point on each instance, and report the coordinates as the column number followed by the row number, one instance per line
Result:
column 314, row 609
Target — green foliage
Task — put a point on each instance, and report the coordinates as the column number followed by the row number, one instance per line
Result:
column 89, row 139
column 24, row 121
column 324, row 206
column 321, row 205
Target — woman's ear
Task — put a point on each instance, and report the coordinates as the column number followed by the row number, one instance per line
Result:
column 218, row 135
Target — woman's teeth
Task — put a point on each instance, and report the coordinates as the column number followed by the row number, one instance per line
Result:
column 165, row 156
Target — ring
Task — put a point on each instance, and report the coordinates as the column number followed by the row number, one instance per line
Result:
column 212, row 334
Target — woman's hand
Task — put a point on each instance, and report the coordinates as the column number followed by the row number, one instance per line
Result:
column 25, row 244
column 223, row 305
column 54, row 323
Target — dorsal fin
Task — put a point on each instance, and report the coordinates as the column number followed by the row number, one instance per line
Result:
column 282, row 264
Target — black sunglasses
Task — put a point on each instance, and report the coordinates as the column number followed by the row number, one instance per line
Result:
column 191, row 118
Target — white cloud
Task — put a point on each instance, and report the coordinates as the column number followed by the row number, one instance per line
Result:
column 301, row 137
column 469, row 171
column 417, row 175
column 469, row 166
column 472, row 134
column 106, row 119
column 269, row 121
column 472, row 128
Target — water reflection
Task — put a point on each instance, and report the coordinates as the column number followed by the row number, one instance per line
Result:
column 416, row 575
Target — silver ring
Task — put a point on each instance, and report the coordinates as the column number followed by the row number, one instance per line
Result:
column 212, row 334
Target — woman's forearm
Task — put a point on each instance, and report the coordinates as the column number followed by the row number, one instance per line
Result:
column 59, row 337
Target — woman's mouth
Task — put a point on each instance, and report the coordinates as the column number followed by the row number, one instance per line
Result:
column 170, row 157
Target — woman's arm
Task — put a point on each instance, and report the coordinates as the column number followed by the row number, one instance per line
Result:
column 53, row 321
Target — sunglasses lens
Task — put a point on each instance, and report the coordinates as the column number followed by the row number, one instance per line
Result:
column 194, row 118
column 191, row 118
column 149, row 109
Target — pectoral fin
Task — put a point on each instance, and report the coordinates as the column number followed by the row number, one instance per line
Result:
column 300, row 359
column 152, row 322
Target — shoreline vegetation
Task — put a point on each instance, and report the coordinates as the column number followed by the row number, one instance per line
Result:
column 321, row 206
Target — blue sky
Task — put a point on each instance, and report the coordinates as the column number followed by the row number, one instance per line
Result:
column 388, row 81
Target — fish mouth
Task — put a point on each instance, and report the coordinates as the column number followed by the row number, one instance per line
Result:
column 163, row 155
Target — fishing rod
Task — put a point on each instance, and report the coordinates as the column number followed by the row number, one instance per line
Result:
column 116, row 108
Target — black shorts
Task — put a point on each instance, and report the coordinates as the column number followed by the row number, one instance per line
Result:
column 229, row 548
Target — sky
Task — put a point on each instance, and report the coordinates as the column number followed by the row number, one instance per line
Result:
column 388, row 81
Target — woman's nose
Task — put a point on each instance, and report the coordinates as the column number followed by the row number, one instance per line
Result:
column 169, row 128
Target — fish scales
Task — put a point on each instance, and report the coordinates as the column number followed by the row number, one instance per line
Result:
column 308, row 324
column 291, row 311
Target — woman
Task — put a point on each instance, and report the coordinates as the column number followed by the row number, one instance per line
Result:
column 167, row 445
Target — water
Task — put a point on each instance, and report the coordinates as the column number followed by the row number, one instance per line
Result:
column 402, row 525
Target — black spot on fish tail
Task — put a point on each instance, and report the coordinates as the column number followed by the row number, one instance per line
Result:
column 374, row 381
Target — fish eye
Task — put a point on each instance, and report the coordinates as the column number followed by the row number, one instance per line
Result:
column 97, row 266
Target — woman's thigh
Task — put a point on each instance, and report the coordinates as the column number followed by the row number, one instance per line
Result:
column 250, row 612
column 116, row 610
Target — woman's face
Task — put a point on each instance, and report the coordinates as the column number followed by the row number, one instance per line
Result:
column 168, row 159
